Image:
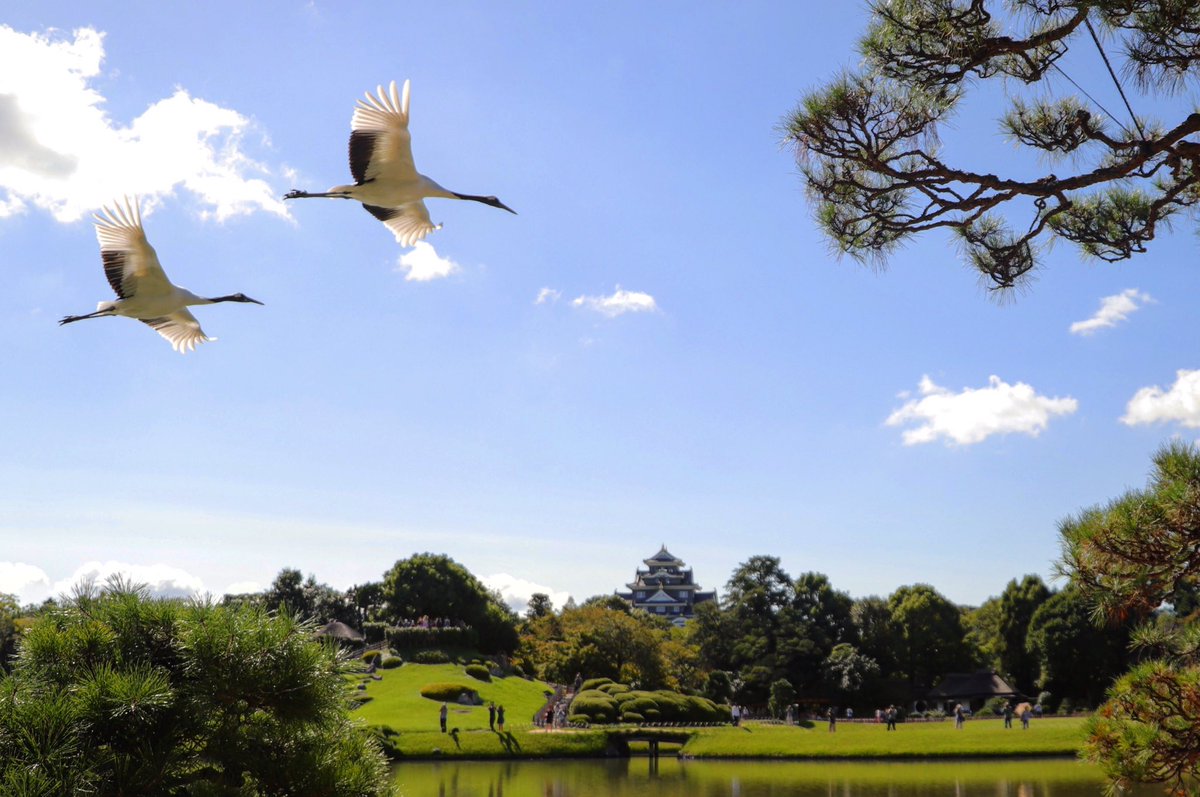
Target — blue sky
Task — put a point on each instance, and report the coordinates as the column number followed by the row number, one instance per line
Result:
column 659, row 348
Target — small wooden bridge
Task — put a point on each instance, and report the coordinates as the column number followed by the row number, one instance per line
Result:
column 618, row 741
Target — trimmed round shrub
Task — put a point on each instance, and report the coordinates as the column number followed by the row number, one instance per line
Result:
column 370, row 656
column 594, row 683
column 652, row 714
column 613, row 688
column 431, row 657
column 390, row 662
column 479, row 672
column 593, row 706
column 631, row 716
column 445, row 692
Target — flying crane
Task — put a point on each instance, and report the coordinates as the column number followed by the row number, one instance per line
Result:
column 142, row 288
column 385, row 180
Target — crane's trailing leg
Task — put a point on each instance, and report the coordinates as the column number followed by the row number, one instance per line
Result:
column 98, row 314
column 295, row 193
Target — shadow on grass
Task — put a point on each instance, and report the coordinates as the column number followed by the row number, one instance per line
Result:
column 509, row 742
column 454, row 736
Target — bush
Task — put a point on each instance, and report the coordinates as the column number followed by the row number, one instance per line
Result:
column 411, row 639
column 594, row 683
column 1065, row 707
column 375, row 632
column 390, row 662
column 631, row 716
column 479, row 672
column 994, row 706
column 370, row 656
column 430, row 657
column 447, row 692
column 613, row 688
column 594, row 706
column 115, row 692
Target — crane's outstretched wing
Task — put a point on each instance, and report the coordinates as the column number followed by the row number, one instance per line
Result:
column 409, row 222
column 379, row 139
column 130, row 262
column 180, row 328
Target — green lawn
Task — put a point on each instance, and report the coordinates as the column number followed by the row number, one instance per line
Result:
column 396, row 700
column 1050, row 736
column 396, row 703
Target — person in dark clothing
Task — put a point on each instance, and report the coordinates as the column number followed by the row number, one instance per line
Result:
column 442, row 715
column 500, row 718
column 891, row 718
column 491, row 716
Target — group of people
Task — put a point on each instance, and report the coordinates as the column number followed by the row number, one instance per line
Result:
column 425, row 621
column 887, row 715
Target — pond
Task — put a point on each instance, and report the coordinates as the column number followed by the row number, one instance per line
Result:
column 671, row 777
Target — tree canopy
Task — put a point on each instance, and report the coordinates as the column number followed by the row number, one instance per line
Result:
column 114, row 693
column 1126, row 559
column 867, row 142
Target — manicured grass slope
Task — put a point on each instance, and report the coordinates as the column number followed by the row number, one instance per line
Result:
column 396, row 700
column 980, row 738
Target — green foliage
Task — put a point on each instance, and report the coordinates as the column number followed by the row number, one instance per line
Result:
column 783, row 694
column 718, row 687
column 114, row 693
column 1016, row 608
column 447, row 692
column 374, row 632
column 430, row 657
column 479, row 672
column 994, row 706
column 390, row 662
column 434, row 585
column 1077, row 659
column 414, row 639
column 930, row 632
column 1125, row 560
column 868, row 147
column 847, row 670
column 594, row 683
column 371, row 655
column 601, row 642
column 597, row 707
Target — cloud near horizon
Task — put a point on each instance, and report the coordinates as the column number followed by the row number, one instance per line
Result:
column 422, row 263
column 31, row 584
column 618, row 303
column 62, row 152
column 1179, row 403
column 1113, row 310
column 975, row 414
column 517, row 591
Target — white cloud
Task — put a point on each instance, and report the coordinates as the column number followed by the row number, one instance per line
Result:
column 548, row 296
column 162, row 580
column 1179, row 403
column 422, row 263
column 62, row 152
column 517, row 591
column 28, row 582
column 1113, row 309
column 243, row 588
column 620, row 302
column 976, row 414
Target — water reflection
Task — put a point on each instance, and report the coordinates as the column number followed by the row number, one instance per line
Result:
column 643, row 777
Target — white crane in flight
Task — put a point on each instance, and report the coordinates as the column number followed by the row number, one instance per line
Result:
column 385, row 180
column 142, row 288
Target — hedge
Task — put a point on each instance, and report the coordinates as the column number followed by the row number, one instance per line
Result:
column 424, row 638
column 599, row 706
column 448, row 692
column 479, row 672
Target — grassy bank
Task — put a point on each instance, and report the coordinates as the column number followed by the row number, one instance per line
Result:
column 410, row 724
column 978, row 738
